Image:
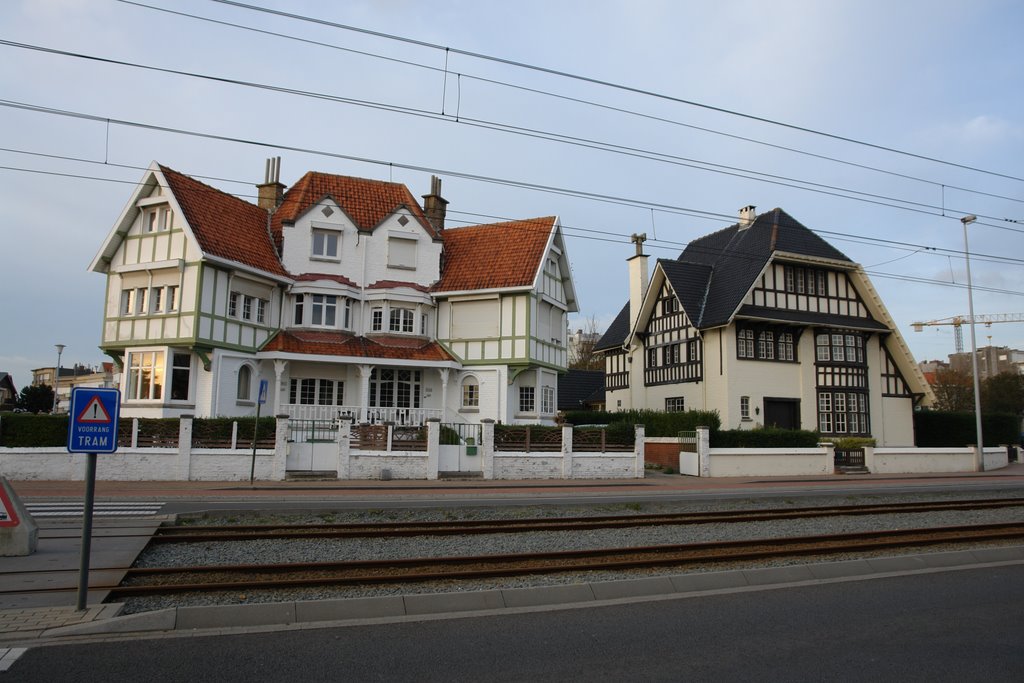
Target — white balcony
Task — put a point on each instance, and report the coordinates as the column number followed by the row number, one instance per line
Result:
column 399, row 416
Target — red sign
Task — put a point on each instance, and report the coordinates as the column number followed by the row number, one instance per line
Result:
column 8, row 517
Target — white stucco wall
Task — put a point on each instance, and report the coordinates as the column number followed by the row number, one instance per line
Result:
column 768, row 462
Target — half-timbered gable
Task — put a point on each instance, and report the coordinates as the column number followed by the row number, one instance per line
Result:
column 783, row 328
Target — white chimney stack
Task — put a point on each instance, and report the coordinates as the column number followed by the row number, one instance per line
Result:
column 747, row 216
column 637, row 278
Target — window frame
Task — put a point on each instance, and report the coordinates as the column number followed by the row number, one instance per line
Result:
column 321, row 241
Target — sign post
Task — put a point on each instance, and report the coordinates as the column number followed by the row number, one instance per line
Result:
column 92, row 429
column 264, row 384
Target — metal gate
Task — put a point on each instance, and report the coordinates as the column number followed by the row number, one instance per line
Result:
column 460, row 448
column 312, row 446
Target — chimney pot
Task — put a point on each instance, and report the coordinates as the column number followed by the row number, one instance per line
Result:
column 747, row 215
column 270, row 193
column 435, row 207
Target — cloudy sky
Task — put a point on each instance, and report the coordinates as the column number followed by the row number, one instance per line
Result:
column 878, row 124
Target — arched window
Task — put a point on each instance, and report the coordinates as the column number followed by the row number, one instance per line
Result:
column 470, row 393
column 244, row 383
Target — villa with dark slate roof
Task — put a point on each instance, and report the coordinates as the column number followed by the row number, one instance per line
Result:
column 769, row 325
column 345, row 295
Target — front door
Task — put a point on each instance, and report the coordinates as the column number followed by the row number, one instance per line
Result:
column 782, row 413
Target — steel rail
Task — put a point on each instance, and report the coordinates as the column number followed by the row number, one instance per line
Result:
column 182, row 534
column 296, row 575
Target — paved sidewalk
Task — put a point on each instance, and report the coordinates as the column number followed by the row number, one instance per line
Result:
column 32, row 622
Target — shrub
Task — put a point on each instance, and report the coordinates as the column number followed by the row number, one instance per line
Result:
column 655, row 422
column 27, row 430
column 769, row 437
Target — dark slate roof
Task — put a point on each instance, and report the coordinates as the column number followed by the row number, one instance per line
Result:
column 810, row 318
column 576, row 386
column 716, row 271
column 616, row 333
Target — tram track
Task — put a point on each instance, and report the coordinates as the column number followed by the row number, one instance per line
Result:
column 167, row 581
column 205, row 534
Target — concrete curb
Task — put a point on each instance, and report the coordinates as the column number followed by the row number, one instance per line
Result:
column 426, row 604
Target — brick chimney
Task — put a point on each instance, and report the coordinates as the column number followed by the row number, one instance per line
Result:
column 434, row 205
column 637, row 278
column 747, row 216
column 271, row 192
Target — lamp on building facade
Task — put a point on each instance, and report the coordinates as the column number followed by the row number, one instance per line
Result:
column 56, row 377
column 967, row 220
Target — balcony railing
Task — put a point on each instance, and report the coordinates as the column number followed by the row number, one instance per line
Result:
column 399, row 416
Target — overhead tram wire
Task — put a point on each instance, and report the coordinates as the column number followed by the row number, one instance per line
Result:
column 591, row 103
column 612, row 85
column 616, row 237
column 806, row 186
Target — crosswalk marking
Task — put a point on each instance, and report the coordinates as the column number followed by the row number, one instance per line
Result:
column 9, row 655
column 99, row 509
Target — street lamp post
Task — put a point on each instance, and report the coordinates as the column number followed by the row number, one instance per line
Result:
column 967, row 220
column 56, row 377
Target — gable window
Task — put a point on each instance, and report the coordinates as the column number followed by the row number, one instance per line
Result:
column 158, row 300
column 172, row 298
column 669, row 306
column 326, row 243
column 401, row 320
column 127, row 301
column 527, row 400
column 157, row 219
column 811, row 281
column 547, row 399
column 786, row 346
column 652, row 358
column 840, row 348
column 675, row 404
column 243, row 392
column 401, row 252
column 470, row 393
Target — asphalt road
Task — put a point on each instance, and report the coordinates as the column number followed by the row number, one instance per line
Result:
column 947, row 626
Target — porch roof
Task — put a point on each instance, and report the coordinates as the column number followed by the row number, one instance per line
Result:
column 333, row 343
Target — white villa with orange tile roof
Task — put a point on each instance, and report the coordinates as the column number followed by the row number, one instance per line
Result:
column 343, row 293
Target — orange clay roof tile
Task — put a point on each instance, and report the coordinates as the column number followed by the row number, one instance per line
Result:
column 494, row 256
column 329, row 343
column 225, row 226
column 366, row 202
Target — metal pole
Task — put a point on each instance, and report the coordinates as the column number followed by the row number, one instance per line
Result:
column 966, row 220
column 56, row 377
column 90, row 495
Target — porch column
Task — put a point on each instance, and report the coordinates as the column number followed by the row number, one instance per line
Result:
column 279, row 369
column 444, row 372
column 364, row 392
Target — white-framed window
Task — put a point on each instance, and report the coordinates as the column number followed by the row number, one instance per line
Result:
column 401, row 252
column 786, row 346
column 172, row 298
column 261, row 310
column 766, row 345
column 157, row 303
column 127, row 302
column 377, row 319
column 745, row 344
column 822, row 346
column 316, row 392
column 527, row 399
column 470, row 393
column 140, row 300
column 401, row 320
column 145, row 380
column 323, row 310
column 243, row 391
column 247, row 307
column 652, row 358
column 297, row 309
column 157, row 219
column 675, row 404
column 326, row 244
column 395, row 388
column 233, row 299
column 744, row 407
column 547, row 399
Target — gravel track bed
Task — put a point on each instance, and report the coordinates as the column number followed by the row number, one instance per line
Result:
column 270, row 551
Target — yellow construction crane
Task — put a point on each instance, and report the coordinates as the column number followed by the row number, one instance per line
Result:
column 958, row 320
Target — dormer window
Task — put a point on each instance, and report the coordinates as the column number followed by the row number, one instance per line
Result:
column 326, row 244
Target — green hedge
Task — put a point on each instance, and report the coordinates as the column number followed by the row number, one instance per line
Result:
column 656, row 423
column 769, row 437
column 949, row 429
column 27, row 430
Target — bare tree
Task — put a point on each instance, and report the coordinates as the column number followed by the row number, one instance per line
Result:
column 953, row 390
column 581, row 347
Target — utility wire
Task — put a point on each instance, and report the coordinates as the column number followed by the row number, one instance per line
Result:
column 808, row 186
column 609, row 84
column 568, row 98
